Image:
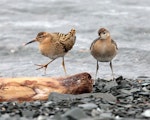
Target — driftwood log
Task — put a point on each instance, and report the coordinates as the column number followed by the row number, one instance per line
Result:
column 35, row 88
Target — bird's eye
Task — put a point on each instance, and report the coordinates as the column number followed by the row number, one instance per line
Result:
column 40, row 36
column 104, row 33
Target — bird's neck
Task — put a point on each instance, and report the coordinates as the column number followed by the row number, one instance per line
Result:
column 108, row 39
column 71, row 34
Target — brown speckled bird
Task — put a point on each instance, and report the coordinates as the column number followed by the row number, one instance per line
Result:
column 104, row 49
column 54, row 45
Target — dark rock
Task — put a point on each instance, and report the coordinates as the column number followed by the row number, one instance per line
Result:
column 119, row 79
column 103, row 86
column 143, row 77
column 36, row 114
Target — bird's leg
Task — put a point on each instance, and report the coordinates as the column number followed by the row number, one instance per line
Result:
column 44, row 66
column 112, row 70
column 63, row 64
column 97, row 67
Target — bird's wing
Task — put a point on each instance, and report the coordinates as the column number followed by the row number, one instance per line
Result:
column 68, row 43
column 114, row 43
column 94, row 42
column 55, row 36
column 73, row 39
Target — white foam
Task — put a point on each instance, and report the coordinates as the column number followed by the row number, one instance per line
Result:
column 46, row 24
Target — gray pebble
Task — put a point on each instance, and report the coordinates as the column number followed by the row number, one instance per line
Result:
column 88, row 106
column 75, row 114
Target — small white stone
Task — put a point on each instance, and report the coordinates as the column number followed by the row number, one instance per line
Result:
column 146, row 113
column 12, row 51
column 118, row 117
column 41, row 117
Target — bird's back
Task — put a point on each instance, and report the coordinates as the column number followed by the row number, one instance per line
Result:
column 67, row 40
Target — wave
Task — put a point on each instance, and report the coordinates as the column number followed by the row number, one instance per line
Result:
column 46, row 24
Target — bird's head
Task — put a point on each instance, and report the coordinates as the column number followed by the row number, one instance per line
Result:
column 103, row 33
column 39, row 38
column 73, row 31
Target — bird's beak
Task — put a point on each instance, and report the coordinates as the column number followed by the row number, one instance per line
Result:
column 30, row 42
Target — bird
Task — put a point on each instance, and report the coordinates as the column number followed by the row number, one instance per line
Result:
column 103, row 49
column 54, row 45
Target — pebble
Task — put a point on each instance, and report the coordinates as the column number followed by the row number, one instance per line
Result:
column 146, row 113
column 88, row 106
column 75, row 114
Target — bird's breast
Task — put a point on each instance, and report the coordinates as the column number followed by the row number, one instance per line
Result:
column 52, row 50
column 103, row 52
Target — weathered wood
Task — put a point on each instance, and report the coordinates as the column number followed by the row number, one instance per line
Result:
column 35, row 88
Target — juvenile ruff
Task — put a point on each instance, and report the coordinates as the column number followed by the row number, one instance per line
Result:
column 104, row 49
column 54, row 45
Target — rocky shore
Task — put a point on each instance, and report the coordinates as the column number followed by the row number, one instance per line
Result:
column 123, row 99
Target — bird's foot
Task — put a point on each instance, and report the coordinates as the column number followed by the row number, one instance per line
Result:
column 42, row 66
